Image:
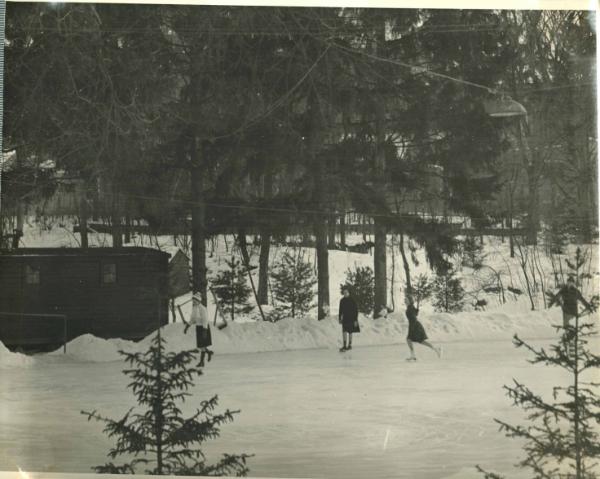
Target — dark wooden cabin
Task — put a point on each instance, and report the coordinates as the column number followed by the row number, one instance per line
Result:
column 108, row 292
column 180, row 281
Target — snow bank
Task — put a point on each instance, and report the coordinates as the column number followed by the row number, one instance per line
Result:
column 90, row 348
column 9, row 359
column 308, row 333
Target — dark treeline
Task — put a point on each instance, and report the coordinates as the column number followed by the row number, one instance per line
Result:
column 273, row 119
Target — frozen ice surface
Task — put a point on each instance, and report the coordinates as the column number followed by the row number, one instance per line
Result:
column 308, row 413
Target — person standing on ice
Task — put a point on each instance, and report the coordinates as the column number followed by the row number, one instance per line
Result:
column 199, row 318
column 416, row 331
column 348, row 317
column 568, row 296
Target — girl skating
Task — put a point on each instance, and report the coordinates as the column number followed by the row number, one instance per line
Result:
column 199, row 318
column 416, row 331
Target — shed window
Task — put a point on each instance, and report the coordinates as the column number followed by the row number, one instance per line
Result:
column 32, row 274
column 109, row 273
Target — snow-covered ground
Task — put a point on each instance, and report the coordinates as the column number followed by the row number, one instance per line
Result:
column 307, row 410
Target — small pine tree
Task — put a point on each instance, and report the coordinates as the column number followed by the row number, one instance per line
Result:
column 556, row 237
column 159, row 437
column 292, row 283
column 448, row 293
column 421, row 290
column 472, row 252
column 361, row 282
column 562, row 439
column 232, row 290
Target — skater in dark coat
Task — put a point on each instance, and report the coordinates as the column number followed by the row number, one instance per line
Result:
column 348, row 317
column 416, row 331
column 199, row 318
column 568, row 296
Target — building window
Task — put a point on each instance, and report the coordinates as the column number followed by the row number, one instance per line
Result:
column 109, row 273
column 32, row 274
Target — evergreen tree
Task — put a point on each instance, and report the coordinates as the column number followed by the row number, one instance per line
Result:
column 232, row 290
column 556, row 235
column 362, row 284
column 562, row 439
column 421, row 290
column 473, row 255
column 159, row 437
column 292, row 282
column 449, row 295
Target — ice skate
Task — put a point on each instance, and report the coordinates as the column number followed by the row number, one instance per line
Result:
column 343, row 349
column 411, row 359
column 210, row 354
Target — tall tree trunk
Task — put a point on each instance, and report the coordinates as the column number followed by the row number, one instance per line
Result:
column 83, row 215
column 531, row 167
column 117, row 233
column 127, row 229
column 320, row 218
column 380, row 266
column 199, row 281
column 232, row 289
column 343, row 229
column 533, row 214
column 265, row 248
column 18, row 232
column 322, row 267
column 246, row 257
column 263, row 267
column 405, row 263
column 331, row 232
column 379, row 224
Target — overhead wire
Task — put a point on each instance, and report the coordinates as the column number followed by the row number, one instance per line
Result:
column 280, row 101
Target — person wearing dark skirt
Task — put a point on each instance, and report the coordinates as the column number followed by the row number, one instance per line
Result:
column 199, row 318
column 348, row 317
column 416, row 331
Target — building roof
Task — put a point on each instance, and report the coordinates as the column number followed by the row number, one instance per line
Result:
column 88, row 252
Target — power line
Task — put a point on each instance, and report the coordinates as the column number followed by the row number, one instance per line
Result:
column 415, row 69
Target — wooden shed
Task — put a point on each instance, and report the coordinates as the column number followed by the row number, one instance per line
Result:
column 108, row 292
column 180, row 281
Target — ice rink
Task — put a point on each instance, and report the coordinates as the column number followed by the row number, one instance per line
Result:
column 309, row 413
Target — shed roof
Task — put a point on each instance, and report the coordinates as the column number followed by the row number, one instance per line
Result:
column 87, row 252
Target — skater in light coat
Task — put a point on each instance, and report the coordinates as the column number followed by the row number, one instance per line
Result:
column 416, row 331
column 199, row 318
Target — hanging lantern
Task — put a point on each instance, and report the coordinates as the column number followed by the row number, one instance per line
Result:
column 504, row 106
